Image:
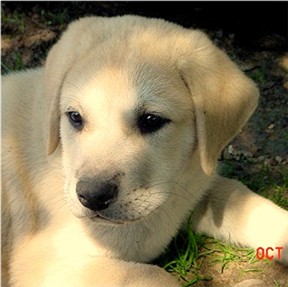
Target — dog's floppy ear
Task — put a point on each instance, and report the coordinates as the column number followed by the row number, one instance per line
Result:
column 223, row 96
column 75, row 43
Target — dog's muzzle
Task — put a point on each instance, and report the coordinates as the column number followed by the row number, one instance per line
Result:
column 97, row 195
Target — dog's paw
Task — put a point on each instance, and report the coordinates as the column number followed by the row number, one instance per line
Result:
column 251, row 283
column 152, row 276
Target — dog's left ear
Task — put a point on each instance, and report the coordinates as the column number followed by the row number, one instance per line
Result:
column 224, row 98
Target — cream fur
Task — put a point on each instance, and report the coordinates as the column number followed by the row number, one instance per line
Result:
column 110, row 70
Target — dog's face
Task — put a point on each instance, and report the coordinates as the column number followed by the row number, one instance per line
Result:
column 134, row 98
column 128, row 132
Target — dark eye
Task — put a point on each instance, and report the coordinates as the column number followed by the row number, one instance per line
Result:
column 150, row 123
column 75, row 119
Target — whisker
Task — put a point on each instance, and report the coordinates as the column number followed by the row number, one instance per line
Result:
column 150, row 186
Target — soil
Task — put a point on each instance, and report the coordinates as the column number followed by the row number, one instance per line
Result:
column 30, row 29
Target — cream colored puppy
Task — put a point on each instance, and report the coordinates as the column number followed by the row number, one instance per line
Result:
column 108, row 149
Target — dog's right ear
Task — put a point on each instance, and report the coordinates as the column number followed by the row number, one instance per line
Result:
column 79, row 38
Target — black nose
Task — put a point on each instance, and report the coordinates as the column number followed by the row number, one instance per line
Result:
column 96, row 195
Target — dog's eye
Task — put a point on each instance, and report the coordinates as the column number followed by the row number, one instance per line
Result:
column 150, row 123
column 75, row 119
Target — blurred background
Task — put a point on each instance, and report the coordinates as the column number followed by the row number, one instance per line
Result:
column 253, row 25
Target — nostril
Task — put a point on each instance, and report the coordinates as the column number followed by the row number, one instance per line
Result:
column 82, row 199
column 103, row 202
column 96, row 195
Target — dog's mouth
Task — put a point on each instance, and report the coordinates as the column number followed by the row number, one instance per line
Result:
column 96, row 216
column 110, row 218
column 124, row 209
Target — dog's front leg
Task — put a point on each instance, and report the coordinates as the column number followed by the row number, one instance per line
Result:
column 94, row 272
column 232, row 212
column 105, row 272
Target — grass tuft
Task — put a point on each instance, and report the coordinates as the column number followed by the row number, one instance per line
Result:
column 183, row 257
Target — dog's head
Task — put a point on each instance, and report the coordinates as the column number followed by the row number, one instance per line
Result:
column 133, row 100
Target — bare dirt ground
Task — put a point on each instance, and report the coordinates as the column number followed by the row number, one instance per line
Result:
column 29, row 31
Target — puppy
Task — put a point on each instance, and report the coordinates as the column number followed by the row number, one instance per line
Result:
column 109, row 148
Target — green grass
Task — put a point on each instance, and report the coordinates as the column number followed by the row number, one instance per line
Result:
column 276, row 284
column 183, row 257
column 226, row 254
column 15, row 20
column 271, row 183
column 60, row 18
column 188, row 250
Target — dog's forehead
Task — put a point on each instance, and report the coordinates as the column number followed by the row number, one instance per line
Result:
column 135, row 82
column 138, row 65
